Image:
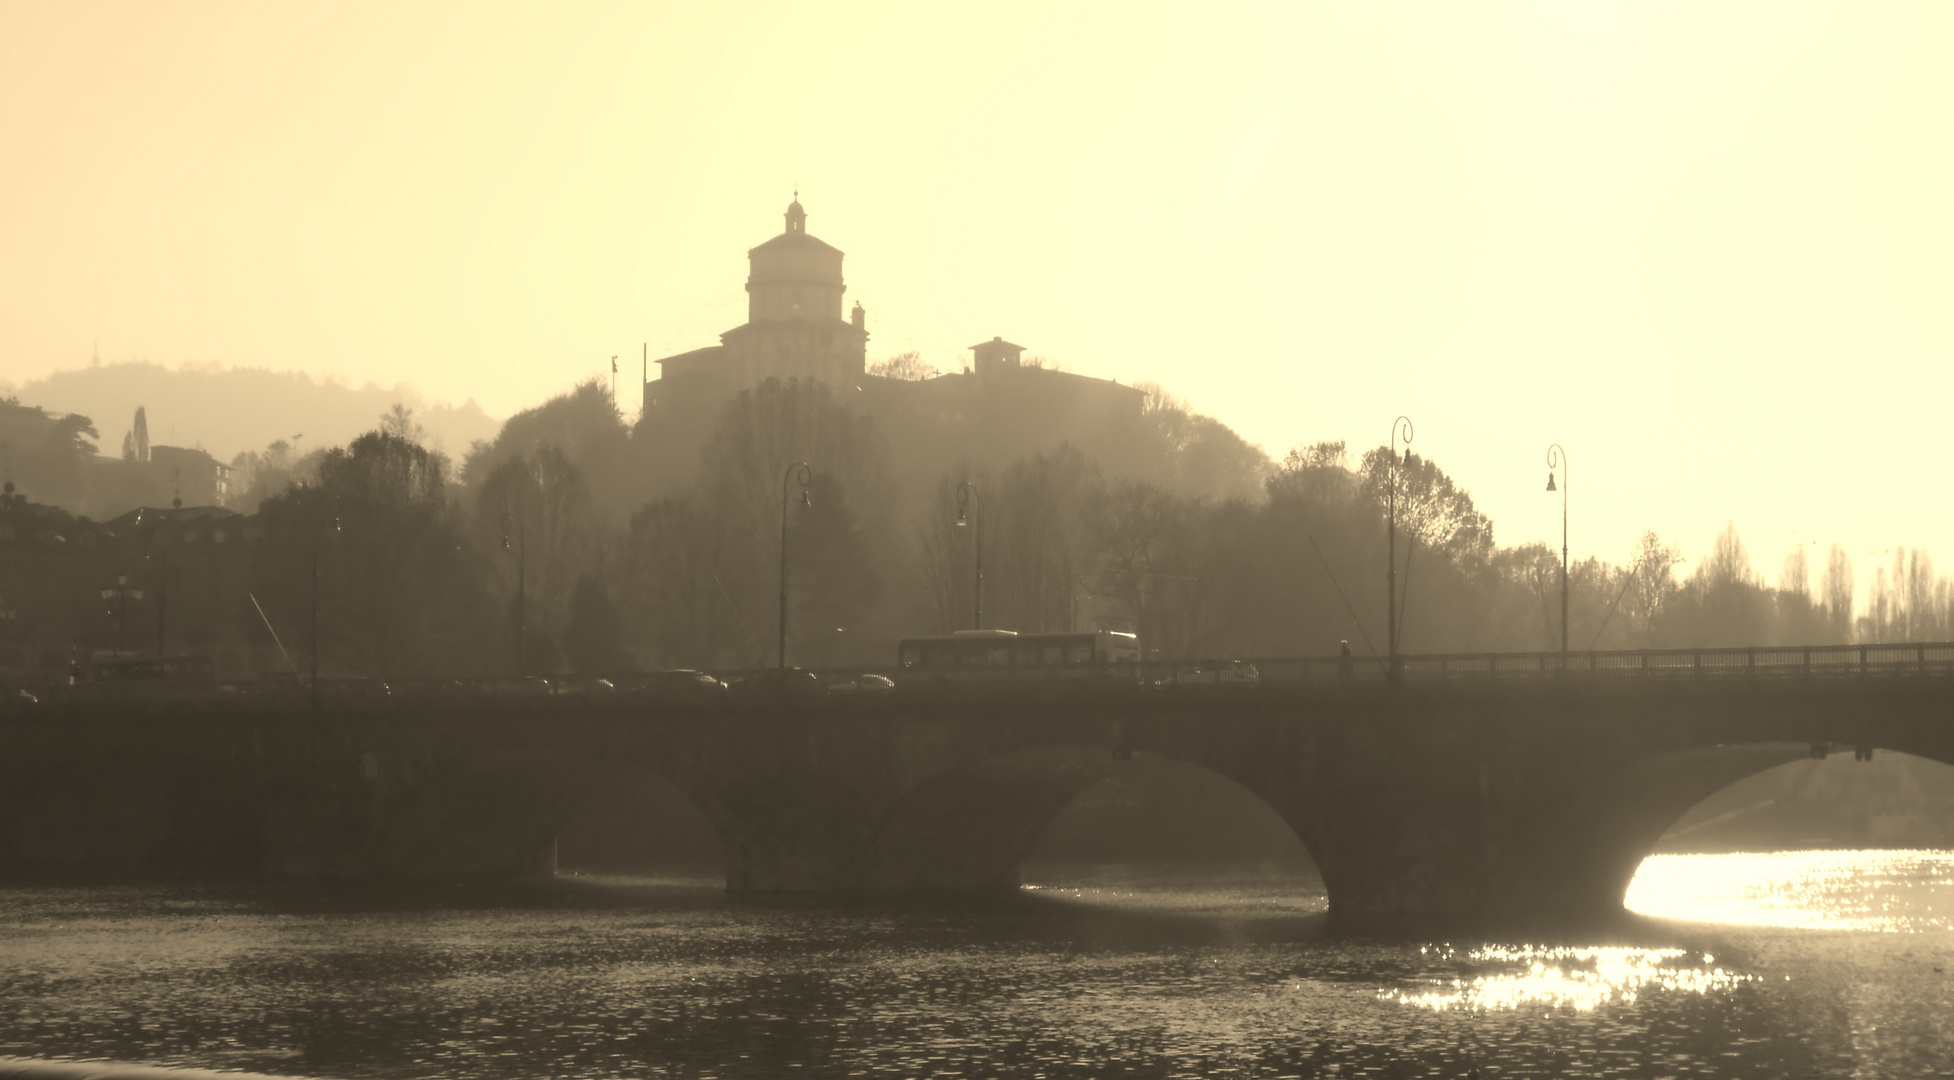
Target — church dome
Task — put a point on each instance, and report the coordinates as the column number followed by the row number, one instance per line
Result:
column 794, row 277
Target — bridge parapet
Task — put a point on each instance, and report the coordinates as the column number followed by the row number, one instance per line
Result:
column 841, row 688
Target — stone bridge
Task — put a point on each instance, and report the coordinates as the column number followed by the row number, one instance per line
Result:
column 1527, row 789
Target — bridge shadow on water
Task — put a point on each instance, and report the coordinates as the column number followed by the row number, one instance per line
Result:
column 1122, row 906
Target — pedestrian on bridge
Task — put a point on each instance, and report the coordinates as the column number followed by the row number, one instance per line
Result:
column 1344, row 663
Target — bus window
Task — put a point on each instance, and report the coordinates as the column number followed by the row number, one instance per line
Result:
column 912, row 657
column 1079, row 654
column 1054, row 655
column 1000, row 656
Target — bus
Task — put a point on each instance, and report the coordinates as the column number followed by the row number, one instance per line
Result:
column 1006, row 654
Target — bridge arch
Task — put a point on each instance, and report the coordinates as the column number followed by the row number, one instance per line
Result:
column 1628, row 817
column 627, row 817
column 1885, row 798
column 972, row 828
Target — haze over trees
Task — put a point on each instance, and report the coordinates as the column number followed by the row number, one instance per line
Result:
column 615, row 546
column 1174, row 529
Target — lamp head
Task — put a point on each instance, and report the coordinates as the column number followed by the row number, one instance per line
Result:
column 962, row 518
column 806, row 499
column 1550, row 482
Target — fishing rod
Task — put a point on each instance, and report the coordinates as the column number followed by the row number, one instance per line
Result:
column 1346, row 602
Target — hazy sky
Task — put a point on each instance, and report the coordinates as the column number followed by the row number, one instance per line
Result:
column 1707, row 247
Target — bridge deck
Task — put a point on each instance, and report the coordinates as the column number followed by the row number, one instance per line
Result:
column 1828, row 663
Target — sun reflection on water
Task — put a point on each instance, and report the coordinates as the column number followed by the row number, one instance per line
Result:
column 1878, row 891
column 1560, row 977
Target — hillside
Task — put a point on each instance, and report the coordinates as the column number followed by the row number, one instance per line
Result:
column 230, row 410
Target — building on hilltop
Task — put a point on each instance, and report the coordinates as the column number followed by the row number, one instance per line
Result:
column 998, row 376
column 795, row 330
column 794, row 327
column 153, row 475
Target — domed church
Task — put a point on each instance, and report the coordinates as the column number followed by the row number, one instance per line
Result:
column 794, row 327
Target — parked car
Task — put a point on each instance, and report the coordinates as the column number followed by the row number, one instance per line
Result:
column 678, row 684
column 1232, row 673
column 776, row 681
column 570, row 686
column 864, row 684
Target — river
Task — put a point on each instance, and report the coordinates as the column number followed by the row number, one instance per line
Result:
column 1787, row 964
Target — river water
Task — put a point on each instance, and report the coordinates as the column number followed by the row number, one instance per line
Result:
column 1789, row 964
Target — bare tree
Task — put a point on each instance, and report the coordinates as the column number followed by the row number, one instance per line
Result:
column 1148, row 546
column 909, row 367
column 1728, row 562
column 1035, row 530
column 540, row 503
column 1836, row 591
column 400, row 423
column 1429, row 505
column 1794, row 577
column 1654, row 585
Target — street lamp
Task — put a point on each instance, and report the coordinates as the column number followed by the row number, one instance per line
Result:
column 318, row 540
column 521, row 552
column 121, row 593
column 155, row 549
column 1557, row 459
column 1391, row 537
column 796, row 473
column 967, row 506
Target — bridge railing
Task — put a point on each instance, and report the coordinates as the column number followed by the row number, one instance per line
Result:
column 1795, row 661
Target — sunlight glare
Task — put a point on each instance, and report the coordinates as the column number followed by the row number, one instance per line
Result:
column 1571, row 978
column 1880, row 891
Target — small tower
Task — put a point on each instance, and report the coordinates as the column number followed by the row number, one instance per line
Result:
column 796, row 217
column 995, row 355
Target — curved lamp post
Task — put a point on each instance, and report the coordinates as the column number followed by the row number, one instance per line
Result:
column 1557, row 459
column 798, row 472
column 1391, row 535
column 967, row 506
column 521, row 552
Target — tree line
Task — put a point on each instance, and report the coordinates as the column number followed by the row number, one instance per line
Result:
column 612, row 551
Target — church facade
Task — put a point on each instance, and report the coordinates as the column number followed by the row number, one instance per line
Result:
column 794, row 327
